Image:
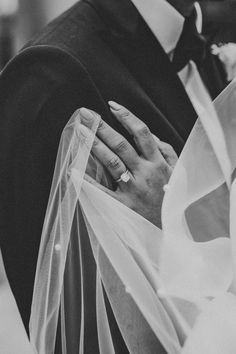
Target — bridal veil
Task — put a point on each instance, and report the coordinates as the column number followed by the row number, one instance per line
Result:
column 176, row 285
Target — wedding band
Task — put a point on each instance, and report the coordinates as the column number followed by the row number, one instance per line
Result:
column 125, row 177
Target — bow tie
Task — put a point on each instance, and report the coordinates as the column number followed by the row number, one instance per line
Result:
column 191, row 45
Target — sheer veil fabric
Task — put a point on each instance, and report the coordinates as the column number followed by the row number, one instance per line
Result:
column 176, row 285
column 13, row 337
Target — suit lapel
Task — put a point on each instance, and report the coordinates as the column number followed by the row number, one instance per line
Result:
column 148, row 63
column 213, row 74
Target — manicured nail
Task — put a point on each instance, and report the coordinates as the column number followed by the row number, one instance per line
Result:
column 115, row 105
column 86, row 115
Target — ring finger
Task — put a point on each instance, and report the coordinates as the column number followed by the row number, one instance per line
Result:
column 109, row 159
column 116, row 142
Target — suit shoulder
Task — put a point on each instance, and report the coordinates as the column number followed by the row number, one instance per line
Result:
column 45, row 63
column 41, row 81
column 49, row 56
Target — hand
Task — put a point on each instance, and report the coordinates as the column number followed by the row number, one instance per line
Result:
column 148, row 172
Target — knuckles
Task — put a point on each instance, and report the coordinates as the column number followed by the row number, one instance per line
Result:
column 163, row 169
column 114, row 163
column 153, row 174
column 121, row 146
column 142, row 130
column 124, row 113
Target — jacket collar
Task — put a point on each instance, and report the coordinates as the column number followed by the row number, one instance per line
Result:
column 124, row 16
column 165, row 22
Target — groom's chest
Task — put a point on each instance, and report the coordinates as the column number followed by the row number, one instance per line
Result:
column 139, row 75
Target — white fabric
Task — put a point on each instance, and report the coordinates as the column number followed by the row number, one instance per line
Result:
column 198, row 91
column 199, row 19
column 165, row 22
column 13, row 337
column 175, row 285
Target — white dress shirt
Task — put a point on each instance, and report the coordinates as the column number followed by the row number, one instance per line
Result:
column 167, row 23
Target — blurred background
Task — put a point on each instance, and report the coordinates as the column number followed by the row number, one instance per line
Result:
column 21, row 19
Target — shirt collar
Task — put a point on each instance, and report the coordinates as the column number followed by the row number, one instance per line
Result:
column 164, row 21
column 199, row 18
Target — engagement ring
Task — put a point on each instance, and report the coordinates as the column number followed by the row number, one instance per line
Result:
column 125, row 177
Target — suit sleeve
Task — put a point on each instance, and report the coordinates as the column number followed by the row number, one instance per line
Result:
column 39, row 91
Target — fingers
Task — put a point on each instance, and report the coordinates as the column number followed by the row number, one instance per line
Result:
column 107, row 157
column 167, row 151
column 142, row 135
column 115, row 141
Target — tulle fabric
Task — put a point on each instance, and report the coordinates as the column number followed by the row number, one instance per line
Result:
column 13, row 337
column 175, row 285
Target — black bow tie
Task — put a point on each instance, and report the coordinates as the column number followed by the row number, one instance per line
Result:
column 191, row 45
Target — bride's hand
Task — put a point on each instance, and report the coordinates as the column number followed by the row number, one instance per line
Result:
column 147, row 172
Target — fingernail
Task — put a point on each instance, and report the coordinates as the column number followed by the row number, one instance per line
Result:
column 86, row 115
column 89, row 118
column 115, row 105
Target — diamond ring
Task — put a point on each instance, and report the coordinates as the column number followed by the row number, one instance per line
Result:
column 125, row 177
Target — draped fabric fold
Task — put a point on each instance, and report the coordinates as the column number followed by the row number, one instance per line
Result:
column 175, row 285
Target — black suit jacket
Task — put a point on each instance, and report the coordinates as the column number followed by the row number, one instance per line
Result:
column 98, row 50
column 219, row 18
